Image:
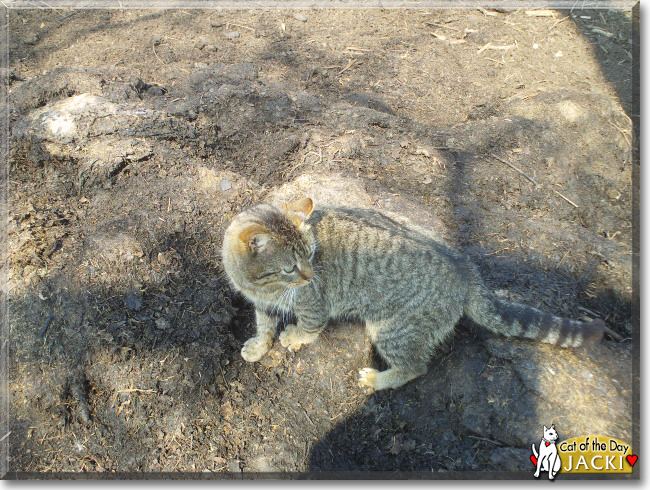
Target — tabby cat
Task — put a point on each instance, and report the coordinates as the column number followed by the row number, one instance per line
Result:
column 409, row 289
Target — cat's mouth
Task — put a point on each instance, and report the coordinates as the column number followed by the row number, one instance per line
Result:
column 302, row 282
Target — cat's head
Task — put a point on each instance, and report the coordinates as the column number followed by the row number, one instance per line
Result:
column 550, row 434
column 269, row 249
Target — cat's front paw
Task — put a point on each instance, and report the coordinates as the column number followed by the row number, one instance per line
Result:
column 368, row 379
column 254, row 349
column 293, row 338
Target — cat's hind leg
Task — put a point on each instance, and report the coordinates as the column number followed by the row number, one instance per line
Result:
column 406, row 344
column 375, row 380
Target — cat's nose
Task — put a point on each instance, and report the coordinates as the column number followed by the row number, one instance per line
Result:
column 307, row 274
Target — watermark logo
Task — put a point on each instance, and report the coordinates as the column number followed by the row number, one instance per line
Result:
column 585, row 454
column 547, row 458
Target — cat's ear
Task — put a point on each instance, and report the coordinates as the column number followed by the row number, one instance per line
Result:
column 255, row 238
column 299, row 210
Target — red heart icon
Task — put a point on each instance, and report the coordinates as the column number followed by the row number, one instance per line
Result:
column 632, row 459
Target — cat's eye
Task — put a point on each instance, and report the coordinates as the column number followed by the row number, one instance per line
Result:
column 291, row 270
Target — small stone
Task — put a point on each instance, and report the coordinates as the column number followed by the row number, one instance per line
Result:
column 232, row 35
column 7, row 74
column 133, row 302
column 200, row 65
column 164, row 259
column 423, row 152
column 225, row 185
column 613, row 194
column 216, row 24
column 427, row 180
column 300, row 17
column 31, row 38
column 162, row 323
column 30, row 275
column 156, row 90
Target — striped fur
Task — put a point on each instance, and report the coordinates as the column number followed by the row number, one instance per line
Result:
column 409, row 289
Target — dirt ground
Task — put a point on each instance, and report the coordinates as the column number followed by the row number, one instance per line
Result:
column 136, row 135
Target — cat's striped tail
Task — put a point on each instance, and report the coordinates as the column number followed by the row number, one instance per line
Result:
column 517, row 320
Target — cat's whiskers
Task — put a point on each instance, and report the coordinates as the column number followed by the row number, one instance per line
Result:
column 292, row 302
column 278, row 307
column 284, row 305
column 287, row 299
column 317, row 282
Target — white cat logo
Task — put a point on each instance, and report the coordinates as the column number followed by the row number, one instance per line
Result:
column 548, row 459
